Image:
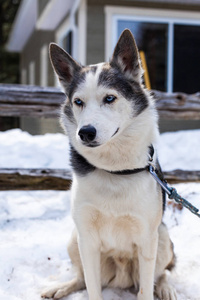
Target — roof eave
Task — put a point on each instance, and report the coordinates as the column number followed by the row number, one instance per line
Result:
column 53, row 14
column 23, row 26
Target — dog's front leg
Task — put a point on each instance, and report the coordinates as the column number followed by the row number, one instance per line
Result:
column 147, row 253
column 90, row 256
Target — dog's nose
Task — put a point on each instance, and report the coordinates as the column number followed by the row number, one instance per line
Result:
column 87, row 133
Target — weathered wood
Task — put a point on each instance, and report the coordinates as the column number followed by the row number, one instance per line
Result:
column 28, row 94
column 21, row 100
column 34, row 101
column 180, row 176
column 35, row 179
column 179, row 106
column 20, row 110
column 59, row 179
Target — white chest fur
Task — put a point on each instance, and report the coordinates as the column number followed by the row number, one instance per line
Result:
column 116, row 209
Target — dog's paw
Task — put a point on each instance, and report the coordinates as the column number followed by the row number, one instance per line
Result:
column 64, row 289
column 166, row 292
column 55, row 292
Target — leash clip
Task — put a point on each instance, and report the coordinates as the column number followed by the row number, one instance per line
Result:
column 165, row 187
column 172, row 193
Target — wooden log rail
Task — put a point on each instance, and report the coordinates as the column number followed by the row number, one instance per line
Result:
column 30, row 101
column 35, row 179
column 177, row 106
column 59, row 179
column 34, row 101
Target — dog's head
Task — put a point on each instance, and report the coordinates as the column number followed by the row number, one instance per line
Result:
column 102, row 99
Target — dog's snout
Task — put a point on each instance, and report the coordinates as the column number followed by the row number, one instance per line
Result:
column 87, row 133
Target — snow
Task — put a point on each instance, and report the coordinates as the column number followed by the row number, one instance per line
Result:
column 180, row 150
column 35, row 226
column 19, row 149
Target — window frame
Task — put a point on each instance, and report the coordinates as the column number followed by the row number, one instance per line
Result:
column 116, row 13
column 61, row 33
column 44, row 65
column 79, row 32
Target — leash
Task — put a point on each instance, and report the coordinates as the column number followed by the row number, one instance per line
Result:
column 158, row 176
column 172, row 193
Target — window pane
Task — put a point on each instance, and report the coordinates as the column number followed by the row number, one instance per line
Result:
column 68, row 42
column 152, row 39
column 186, row 58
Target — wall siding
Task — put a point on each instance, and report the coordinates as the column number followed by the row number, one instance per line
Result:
column 165, row 4
column 31, row 52
column 95, row 34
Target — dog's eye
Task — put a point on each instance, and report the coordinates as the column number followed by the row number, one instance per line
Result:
column 78, row 102
column 109, row 99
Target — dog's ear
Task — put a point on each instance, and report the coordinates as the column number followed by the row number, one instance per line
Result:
column 64, row 65
column 126, row 56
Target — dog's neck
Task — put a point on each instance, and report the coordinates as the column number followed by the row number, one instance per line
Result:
column 121, row 155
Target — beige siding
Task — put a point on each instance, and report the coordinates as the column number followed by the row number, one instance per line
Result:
column 32, row 53
column 95, row 34
column 172, row 4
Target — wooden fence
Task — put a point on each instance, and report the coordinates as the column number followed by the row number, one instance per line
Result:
column 17, row 100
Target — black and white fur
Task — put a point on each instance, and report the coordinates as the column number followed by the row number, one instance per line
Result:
column 119, row 239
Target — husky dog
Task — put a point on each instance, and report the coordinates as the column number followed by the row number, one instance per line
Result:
column 119, row 240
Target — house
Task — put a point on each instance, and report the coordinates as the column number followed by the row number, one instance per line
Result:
column 167, row 31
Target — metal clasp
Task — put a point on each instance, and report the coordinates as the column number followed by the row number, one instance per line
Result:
column 172, row 193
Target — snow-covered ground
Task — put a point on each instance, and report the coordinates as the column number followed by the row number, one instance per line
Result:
column 35, row 226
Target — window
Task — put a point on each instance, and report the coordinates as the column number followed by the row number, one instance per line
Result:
column 68, row 42
column 65, row 39
column 170, row 43
column 151, row 38
column 186, row 58
column 65, row 36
